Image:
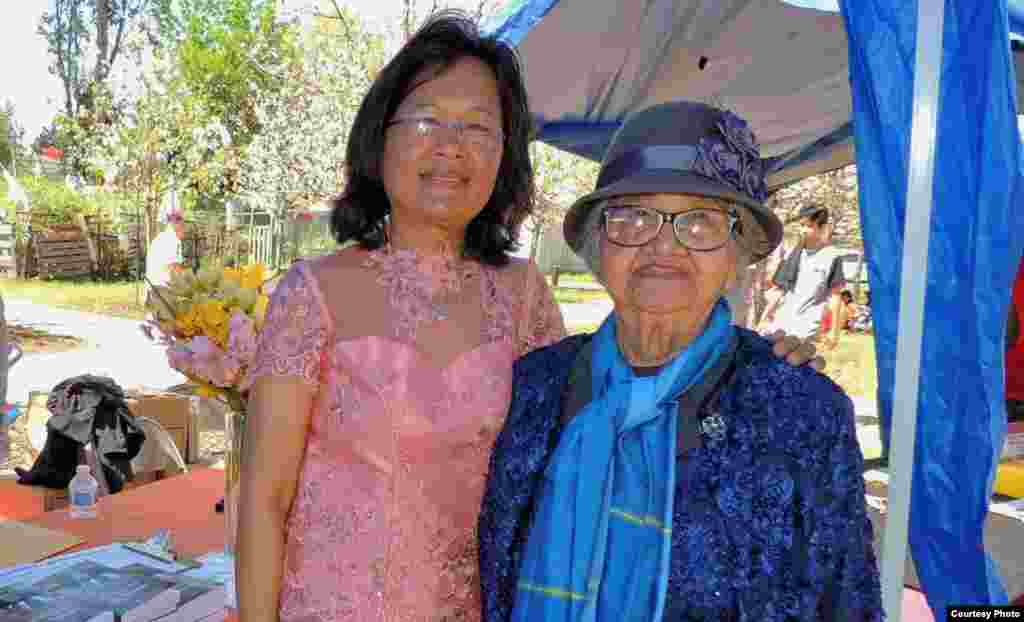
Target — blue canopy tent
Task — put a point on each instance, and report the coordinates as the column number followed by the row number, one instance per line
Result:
column 939, row 162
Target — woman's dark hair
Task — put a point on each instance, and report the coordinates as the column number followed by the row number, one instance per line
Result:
column 847, row 296
column 819, row 218
column 448, row 36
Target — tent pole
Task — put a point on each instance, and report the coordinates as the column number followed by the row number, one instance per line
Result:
column 913, row 282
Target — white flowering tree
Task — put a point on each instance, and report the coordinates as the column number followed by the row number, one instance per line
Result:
column 297, row 161
column 298, row 158
column 560, row 178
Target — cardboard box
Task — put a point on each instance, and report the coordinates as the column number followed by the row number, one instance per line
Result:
column 175, row 413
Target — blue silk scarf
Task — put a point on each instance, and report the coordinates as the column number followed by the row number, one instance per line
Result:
column 598, row 547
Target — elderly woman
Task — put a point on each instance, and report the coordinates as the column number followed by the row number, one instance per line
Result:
column 668, row 467
column 384, row 369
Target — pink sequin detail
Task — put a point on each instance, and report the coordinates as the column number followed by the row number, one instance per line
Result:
column 417, row 284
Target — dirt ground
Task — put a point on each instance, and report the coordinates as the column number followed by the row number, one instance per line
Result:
column 32, row 340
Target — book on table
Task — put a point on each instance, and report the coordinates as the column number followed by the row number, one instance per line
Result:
column 91, row 592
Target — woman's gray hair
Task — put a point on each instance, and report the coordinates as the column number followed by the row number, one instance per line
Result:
column 592, row 232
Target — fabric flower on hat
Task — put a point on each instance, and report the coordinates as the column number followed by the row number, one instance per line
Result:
column 752, row 180
column 716, row 161
column 738, row 135
column 731, row 157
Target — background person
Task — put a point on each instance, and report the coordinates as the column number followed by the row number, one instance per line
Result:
column 848, row 311
column 164, row 255
column 810, row 277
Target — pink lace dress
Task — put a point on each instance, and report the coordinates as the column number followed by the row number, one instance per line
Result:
column 383, row 524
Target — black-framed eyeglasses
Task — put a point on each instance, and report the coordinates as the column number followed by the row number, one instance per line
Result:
column 472, row 134
column 697, row 230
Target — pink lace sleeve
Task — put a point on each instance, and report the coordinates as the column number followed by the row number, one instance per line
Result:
column 540, row 322
column 295, row 331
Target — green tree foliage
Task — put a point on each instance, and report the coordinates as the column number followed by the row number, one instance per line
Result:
column 11, row 135
column 226, row 66
column 57, row 202
column 202, row 19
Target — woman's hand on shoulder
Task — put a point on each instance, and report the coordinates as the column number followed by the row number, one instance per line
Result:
column 796, row 351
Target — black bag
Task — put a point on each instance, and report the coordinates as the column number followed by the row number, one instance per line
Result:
column 789, row 269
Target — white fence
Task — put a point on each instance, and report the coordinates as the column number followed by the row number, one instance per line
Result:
column 554, row 254
column 262, row 247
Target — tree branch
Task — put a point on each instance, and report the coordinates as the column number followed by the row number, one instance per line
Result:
column 122, row 25
column 344, row 20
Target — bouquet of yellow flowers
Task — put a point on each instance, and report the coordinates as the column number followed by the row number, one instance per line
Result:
column 210, row 323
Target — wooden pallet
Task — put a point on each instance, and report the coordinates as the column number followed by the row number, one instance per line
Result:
column 8, row 264
column 62, row 257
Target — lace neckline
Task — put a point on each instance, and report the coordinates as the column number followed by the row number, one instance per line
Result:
column 421, row 287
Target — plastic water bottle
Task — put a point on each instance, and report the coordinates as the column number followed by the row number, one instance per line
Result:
column 82, row 492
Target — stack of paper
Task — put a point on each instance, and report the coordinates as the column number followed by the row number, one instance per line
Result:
column 84, row 590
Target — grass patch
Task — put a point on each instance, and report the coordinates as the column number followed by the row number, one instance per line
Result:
column 118, row 298
column 568, row 295
column 577, row 329
column 574, row 277
column 852, row 364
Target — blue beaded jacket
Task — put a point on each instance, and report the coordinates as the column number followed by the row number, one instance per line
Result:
column 770, row 522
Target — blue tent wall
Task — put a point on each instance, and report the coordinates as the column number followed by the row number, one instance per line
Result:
column 971, row 265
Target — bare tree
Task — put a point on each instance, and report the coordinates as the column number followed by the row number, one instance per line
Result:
column 485, row 9
column 414, row 12
column 70, row 27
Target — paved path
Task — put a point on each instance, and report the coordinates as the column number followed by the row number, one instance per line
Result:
column 115, row 348
column 585, row 313
column 118, row 349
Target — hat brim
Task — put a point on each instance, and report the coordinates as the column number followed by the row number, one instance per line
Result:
column 760, row 244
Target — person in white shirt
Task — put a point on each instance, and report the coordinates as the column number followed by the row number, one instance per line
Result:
column 164, row 256
column 812, row 278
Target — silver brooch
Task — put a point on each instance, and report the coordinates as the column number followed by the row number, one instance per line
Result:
column 713, row 427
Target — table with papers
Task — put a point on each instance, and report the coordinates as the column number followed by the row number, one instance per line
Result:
column 183, row 505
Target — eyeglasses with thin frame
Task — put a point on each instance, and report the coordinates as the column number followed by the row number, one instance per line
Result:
column 472, row 134
column 698, row 229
